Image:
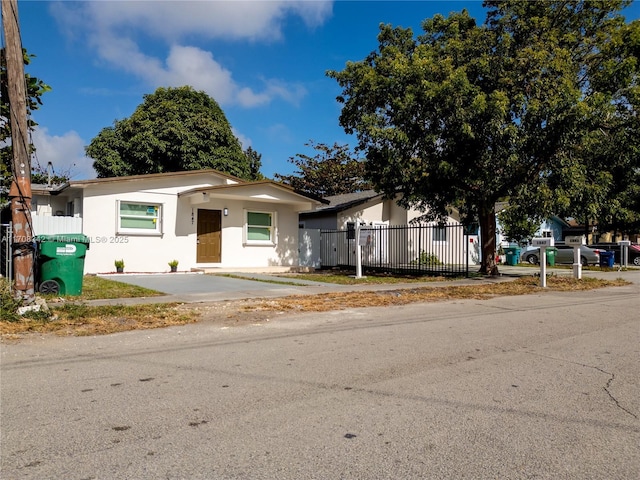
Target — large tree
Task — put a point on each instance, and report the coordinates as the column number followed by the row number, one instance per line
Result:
column 465, row 114
column 35, row 88
column 595, row 174
column 332, row 171
column 174, row 129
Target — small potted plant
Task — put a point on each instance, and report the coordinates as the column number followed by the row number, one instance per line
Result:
column 174, row 265
column 119, row 265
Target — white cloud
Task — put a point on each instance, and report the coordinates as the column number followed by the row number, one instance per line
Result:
column 66, row 153
column 111, row 27
column 244, row 140
column 238, row 19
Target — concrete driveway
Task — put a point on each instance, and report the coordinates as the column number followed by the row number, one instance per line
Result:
column 199, row 287
column 191, row 283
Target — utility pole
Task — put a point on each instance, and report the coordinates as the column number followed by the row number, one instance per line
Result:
column 20, row 191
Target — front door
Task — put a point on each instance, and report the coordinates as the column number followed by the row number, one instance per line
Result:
column 209, row 248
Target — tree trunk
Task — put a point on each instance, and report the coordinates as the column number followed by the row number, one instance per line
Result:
column 487, row 217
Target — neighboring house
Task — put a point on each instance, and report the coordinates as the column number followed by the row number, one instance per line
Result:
column 385, row 219
column 367, row 207
column 554, row 227
column 201, row 218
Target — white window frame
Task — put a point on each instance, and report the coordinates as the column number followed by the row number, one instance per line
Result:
column 120, row 230
column 273, row 228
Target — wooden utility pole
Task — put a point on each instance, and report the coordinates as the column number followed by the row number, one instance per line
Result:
column 20, row 191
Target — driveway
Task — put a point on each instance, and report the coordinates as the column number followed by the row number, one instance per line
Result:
column 191, row 283
column 198, row 287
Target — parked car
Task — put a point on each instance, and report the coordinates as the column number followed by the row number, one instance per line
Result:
column 633, row 255
column 564, row 254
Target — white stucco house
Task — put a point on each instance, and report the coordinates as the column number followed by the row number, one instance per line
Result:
column 367, row 207
column 395, row 232
column 203, row 219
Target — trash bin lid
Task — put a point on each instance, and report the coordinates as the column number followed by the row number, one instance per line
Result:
column 64, row 238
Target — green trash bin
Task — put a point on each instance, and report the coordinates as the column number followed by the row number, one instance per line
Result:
column 513, row 255
column 61, row 263
column 551, row 256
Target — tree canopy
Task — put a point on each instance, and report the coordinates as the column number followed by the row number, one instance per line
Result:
column 333, row 170
column 174, row 129
column 465, row 114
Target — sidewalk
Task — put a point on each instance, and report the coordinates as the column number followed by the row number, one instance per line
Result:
column 261, row 285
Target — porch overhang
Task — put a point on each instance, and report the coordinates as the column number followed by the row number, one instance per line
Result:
column 263, row 192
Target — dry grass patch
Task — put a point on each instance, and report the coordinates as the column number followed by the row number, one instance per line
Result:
column 340, row 301
column 348, row 278
column 81, row 320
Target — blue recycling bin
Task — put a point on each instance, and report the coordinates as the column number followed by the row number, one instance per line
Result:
column 513, row 255
column 606, row 259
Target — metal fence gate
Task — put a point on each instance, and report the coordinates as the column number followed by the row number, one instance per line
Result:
column 415, row 249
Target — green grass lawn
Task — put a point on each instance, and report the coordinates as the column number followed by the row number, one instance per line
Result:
column 96, row 288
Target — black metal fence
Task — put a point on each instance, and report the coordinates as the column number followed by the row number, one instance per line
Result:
column 420, row 249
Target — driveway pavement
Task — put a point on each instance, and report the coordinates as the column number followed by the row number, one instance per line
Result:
column 194, row 283
column 198, row 287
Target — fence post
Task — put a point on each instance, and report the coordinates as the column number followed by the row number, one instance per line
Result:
column 358, row 252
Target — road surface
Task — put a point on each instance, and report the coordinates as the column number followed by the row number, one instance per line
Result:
column 532, row 387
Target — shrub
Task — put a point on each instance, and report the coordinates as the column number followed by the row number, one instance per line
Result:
column 9, row 306
column 8, row 303
column 427, row 259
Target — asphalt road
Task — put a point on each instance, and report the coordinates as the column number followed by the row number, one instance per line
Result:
column 539, row 386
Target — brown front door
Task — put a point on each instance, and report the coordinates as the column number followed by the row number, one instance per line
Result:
column 209, row 236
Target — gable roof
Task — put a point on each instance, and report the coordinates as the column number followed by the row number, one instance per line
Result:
column 148, row 176
column 231, row 187
column 248, row 191
column 339, row 203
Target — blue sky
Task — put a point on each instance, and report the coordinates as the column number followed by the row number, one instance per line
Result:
column 264, row 62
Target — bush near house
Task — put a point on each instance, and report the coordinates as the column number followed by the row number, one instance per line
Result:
column 426, row 258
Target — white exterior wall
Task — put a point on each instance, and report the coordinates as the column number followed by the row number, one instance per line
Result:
column 386, row 211
column 235, row 253
column 372, row 213
column 141, row 253
column 49, row 205
column 179, row 217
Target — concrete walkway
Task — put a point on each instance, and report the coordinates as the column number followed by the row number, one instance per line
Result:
column 201, row 288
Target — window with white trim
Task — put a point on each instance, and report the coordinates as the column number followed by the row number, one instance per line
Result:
column 139, row 218
column 260, row 228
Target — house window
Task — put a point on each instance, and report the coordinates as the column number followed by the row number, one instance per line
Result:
column 139, row 218
column 260, row 228
column 440, row 233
